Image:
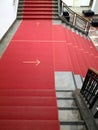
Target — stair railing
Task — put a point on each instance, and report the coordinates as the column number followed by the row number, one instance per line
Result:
column 75, row 20
column 89, row 90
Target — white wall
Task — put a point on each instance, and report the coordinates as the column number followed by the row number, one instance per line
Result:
column 68, row 2
column 77, row 2
column 85, row 3
column 81, row 2
column 8, row 13
column 95, row 6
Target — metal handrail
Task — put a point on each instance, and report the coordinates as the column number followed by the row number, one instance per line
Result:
column 76, row 21
column 89, row 89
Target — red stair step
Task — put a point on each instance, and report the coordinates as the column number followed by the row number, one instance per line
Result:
column 62, row 59
column 28, row 113
column 28, row 92
column 27, row 101
column 33, row 0
column 38, row 5
column 29, row 125
column 37, row 13
column 37, row 9
column 37, row 17
column 81, row 62
column 38, row 2
column 74, row 60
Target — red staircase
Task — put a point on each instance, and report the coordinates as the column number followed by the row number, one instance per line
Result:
column 35, row 9
column 23, row 107
column 27, row 109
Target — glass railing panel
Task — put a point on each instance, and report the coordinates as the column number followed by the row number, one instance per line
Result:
column 80, row 23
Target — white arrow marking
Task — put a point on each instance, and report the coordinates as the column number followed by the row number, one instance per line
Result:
column 37, row 62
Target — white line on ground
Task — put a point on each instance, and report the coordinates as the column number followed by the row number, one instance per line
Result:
column 36, row 41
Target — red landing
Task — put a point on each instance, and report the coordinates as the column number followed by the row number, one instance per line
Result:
column 27, row 95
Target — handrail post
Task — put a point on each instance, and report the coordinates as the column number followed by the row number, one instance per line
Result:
column 87, row 28
column 74, row 20
column 60, row 7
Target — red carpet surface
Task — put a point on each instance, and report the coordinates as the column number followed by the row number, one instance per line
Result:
column 24, row 75
column 55, row 48
column 27, row 89
column 37, row 9
column 65, row 44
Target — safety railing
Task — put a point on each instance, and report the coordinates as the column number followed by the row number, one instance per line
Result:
column 89, row 89
column 75, row 20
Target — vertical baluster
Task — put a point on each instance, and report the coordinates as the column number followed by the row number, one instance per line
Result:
column 82, row 91
column 95, row 97
column 92, row 96
column 74, row 20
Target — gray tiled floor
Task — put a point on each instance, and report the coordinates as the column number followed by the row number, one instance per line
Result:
column 73, row 127
column 69, row 112
column 64, row 81
column 66, row 103
column 64, row 94
column 69, row 115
